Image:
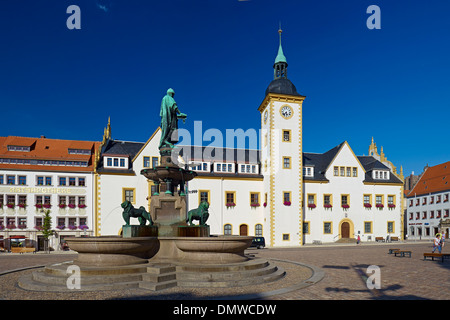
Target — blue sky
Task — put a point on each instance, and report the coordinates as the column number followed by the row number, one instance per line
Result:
column 391, row 84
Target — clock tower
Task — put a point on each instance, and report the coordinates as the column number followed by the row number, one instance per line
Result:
column 282, row 157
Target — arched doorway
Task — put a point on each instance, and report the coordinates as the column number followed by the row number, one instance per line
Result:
column 345, row 230
column 243, row 230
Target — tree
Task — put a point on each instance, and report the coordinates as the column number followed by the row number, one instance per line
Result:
column 47, row 229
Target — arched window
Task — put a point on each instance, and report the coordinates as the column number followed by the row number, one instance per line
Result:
column 258, row 230
column 227, row 229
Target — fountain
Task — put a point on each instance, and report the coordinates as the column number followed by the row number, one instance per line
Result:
column 168, row 251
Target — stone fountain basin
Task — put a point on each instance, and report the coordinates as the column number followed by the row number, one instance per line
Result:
column 168, row 172
column 113, row 251
column 204, row 250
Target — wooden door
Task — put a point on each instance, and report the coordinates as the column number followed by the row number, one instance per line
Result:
column 345, row 230
column 243, row 230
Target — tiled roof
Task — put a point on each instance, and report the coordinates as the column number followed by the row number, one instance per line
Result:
column 434, row 179
column 46, row 150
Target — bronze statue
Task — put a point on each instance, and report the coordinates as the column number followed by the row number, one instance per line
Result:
column 130, row 212
column 201, row 214
column 169, row 120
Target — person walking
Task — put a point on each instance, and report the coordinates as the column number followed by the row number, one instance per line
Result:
column 437, row 244
column 358, row 240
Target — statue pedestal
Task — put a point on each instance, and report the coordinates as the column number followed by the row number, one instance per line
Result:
column 139, row 231
column 168, row 213
column 193, row 231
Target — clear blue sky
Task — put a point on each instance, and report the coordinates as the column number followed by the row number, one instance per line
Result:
column 391, row 84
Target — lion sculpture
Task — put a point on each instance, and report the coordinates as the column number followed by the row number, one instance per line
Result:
column 201, row 214
column 130, row 212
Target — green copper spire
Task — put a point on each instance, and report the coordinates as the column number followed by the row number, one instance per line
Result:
column 280, row 56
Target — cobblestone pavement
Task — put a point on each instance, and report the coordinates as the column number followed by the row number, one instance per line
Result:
column 345, row 270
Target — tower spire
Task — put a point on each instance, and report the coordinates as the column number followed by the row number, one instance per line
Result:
column 280, row 65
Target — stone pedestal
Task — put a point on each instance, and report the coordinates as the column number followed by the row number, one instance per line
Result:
column 168, row 213
column 193, row 231
column 139, row 231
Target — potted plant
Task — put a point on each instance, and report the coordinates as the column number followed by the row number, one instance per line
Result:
column 38, row 205
column 391, row 206
column 345, row 206
column 81, row 206
column 62, row 205
column 379, row 205
column 10, row 205
column 47, row 205
column 11, row 226
column 254, row 205
column 83, row 227
column 72, row 227
column 38, row 228
column 72, row 206
column 327, row 206
column 265, row 204
column 367, row 205
column 230, row 204
column 61, row 227
column 22, row 226
column 311, row 205
column 287, row 203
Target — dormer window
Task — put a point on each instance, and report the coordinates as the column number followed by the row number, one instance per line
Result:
column 380, row 174
column 79, row 151
column 224, row 167
column 117, row 163
column 19, row 148
column 308, row 171
column 248, row 168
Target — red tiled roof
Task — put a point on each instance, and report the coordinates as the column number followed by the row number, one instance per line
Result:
column 47, row 149
column 434, row 179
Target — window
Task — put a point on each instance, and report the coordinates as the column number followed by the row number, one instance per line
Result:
column 287, row 197
column 367, row 200
column 391, row 201
column 254, row 198
column 122, row 163
column 286, row 135
column 109, row 162
column 203, row 196
column 286, row 236
column 81, row 201
column 227, row 229
column 11, row 179
column 40, row 181
column 22, row 201
column 342, row 171
column 72, row 181
column 146, row 162
column 1, row 200
column 367, row 227
column 1, row 179
column 349, row 172
column 345, row 200
column 11, row 200
column 155, row 162
column 379, row 200
column 355, row 172
column 336, row 171
column 230, row 167
column 230, row 197
column 62, row 201
column 258, row 230
column 391, row 226
column 116, row 162
column 22, row 223
column 81, row 181
column 48, row 181
column 128, row 194
column 286, row 162
column 22, row 180
column 305, row 227
column 62, row 181
column 61, row 222
column 311, row 200
column 327, row 228
column 327, row 202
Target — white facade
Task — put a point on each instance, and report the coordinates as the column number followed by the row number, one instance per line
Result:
column 425, row 212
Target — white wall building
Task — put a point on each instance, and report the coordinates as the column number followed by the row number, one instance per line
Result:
column 39, row 174
column 428, row 204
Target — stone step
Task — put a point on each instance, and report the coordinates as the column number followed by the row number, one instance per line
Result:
column 232, row 267
column 278, row 274
column 157, row 278
column 157, row 286
column 60, row 269
column 201, row 275
column 43, row 277
column 26, row 282
column 161, row 268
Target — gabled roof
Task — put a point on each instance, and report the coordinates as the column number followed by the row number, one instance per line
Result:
column 434, row 179
column 322, row 161
column 47, row 150
column 122, row 148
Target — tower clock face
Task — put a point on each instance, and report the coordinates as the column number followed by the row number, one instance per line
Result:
column 286, row 111
column 266, row 114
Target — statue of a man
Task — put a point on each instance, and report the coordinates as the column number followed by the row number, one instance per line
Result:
column 169, row 120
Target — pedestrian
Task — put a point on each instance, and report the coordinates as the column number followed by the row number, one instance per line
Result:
column 442, row 240
column 437, row 243
column 358, row 240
